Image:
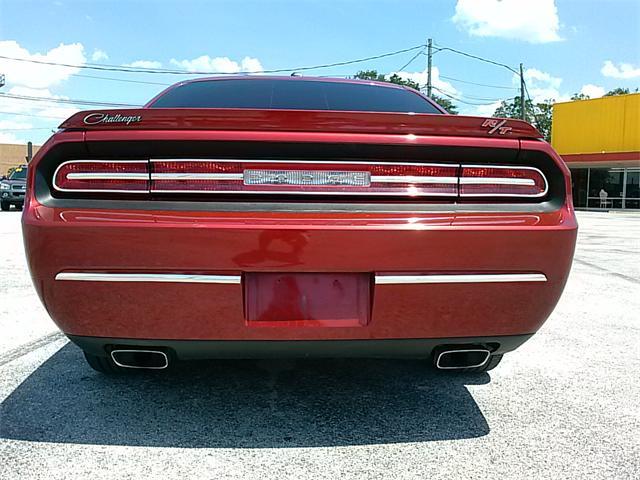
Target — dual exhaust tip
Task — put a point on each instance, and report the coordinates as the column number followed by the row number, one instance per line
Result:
column 142, row 359
column 462, row 358
column 158, row 360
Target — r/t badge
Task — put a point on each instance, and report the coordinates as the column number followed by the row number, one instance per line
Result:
column 496, row 125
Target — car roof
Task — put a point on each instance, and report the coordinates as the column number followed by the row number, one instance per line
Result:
column 294, row 78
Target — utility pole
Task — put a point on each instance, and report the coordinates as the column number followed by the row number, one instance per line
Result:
column 523, row 114
column 29, row 152
column 429, row 55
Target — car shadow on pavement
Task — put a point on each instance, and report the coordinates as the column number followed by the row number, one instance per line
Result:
column 249, row 404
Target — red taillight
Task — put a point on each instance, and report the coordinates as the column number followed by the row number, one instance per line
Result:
column 494, row 181
column 310, row 178
column 102, row 176
column 299, row 178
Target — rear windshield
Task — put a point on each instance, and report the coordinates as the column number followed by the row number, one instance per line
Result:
column 293, row 94
column 18, row 174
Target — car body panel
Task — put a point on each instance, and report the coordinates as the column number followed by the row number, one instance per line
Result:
column 305, row 246
column 58, row 240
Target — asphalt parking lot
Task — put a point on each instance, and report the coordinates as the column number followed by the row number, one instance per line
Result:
column 565, row 405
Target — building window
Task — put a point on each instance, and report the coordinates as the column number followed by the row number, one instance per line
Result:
column 606, row 188
column 579, row 181
column 632, row 197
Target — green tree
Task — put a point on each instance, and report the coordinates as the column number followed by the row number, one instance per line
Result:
column 543, row 117
column 445, row 103
column 370, row 75
column 580, row 96
column 619, row 91
column 539, row 114
column 398, row 80
column 513, row 109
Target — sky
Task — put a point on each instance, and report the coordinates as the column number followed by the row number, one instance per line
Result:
column 566, row 46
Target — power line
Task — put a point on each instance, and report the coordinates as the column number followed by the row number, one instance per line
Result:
column 472, row 97
column 411, row 61
column 65, row 101
column 459, row 99
column 478, row 84
column 120, row 79
column 30, row 115
column 25, row 129
column 476, row 57
column 114, row 68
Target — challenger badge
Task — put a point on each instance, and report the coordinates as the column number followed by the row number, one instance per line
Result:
column 99, row 118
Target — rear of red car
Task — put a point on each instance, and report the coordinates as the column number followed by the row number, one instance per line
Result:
column 199, row 232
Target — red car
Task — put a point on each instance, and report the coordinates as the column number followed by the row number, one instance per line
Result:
column 267, row 216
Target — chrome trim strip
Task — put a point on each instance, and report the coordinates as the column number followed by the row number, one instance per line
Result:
column 93, row 190
column 276, row 161
column 413, row 179
column 460, row 278
column 107, row 176
column 447, row 352
column 147, row 277
column 122, row 350
column 197, row 176
column 279, row 192
column 496, row 181
column 236, row 279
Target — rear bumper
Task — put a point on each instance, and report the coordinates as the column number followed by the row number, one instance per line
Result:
column 236, row 244
column 242, row 349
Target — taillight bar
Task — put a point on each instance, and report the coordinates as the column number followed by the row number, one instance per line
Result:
column 304, row 177
column 225, row 176
column 502, row 181
column 102, row 176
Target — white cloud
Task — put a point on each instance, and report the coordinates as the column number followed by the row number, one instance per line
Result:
column 11, row 125
column 592, row 91
column 205, row 63
column 35, row 75
column 16, row 105
column 482, row 110
column 15, row 131
column 622, row 70
column 542, row 86
column 421, row 79
column 35, row 80
column 9, row 137
column 144, row 64
column 50, row 113
column 98, row 55
column 57, row 112
column 530, row 21
column 533, row 75
column 32, row 92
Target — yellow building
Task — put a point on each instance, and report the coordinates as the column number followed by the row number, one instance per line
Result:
column 599, row 140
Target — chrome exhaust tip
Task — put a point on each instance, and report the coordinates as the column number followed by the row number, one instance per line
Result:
column 463, row 358
column 144, row 359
